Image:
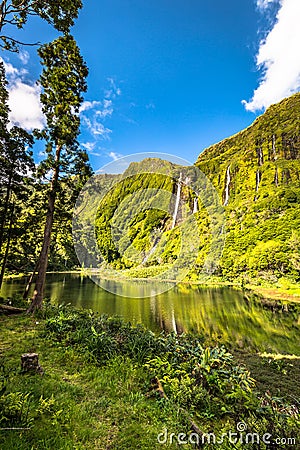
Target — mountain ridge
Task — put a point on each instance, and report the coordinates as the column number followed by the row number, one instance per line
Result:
column 256, row 173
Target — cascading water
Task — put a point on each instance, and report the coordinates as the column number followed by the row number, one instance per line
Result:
column 276, row 177
column 274, row 146
column 150, row 253
column 177, row 201
column 195, row 208
column 228, row 179
column 260, row 156
column 258, row 180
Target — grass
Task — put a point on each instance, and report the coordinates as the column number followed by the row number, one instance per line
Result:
column 83, row 406
column 96, row 393
column 278, row 375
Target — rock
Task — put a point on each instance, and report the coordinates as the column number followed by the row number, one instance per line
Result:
column 30, row 363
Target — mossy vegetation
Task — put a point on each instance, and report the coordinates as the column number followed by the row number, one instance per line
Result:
column 262, row 231
column 107, row 384
column 262, row 209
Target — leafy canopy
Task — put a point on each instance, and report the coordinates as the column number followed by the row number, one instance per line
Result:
column 61, row 14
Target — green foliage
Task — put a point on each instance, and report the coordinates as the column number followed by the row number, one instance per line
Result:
column 63, row 80
column 15, row 13
column 14, row 409
column 142, row 229
column 262, row 219
column 206, row 382
column 83, row 383
column 15, row 162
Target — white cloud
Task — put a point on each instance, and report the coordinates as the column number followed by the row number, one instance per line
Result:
column 105, row 111
column 25, row 106
column 278, row 57
column 113, row 90
column 262, row 4
column 24, row 56
column 13, row 73
column 24, row 99
column 89, row 146
column 115, row 156
column 95, row 113
column 97, row 129
column 85, row 106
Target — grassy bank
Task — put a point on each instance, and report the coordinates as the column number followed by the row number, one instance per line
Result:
column 108, row 385
column 76, row 403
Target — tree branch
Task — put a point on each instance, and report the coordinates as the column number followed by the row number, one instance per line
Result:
column 15, row 42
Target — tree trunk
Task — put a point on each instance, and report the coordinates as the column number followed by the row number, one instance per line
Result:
column 37, row 298
column 30, row 281
column 6, row 202
column 7, row 245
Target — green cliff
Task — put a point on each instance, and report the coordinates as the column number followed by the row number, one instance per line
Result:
column 256, row 172
column 257, row 176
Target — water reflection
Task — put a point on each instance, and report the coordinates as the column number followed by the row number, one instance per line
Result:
column 221, row 314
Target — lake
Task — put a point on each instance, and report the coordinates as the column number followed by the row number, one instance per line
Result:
column 222, row 314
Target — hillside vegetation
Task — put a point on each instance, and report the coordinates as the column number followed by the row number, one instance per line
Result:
column 263, row 220
column 257, row 176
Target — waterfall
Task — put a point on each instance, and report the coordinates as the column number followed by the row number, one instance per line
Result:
column 258, row 179
column 150, row 252
column 276, row 177
column 177, row 201
column 274, row 146
column 228, row 179
column 195, row 209
column 260, row 156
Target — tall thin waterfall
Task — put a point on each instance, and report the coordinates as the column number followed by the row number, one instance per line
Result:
column 274, row 146
column 276, row 177
column 260, row 156
column 258, row 179
column 228, row 179
column 195, row 208
column 177, row 201
column 150, row 252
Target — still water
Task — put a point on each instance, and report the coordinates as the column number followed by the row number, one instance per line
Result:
column 221, row 314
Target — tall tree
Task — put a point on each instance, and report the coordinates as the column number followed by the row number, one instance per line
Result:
column 60, row 14
column 16, row 162
column 63, row 80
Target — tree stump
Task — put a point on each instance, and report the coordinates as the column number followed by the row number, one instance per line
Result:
column 30, row 363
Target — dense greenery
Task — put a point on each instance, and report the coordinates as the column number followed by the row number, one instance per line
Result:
column 16, row 161
column 15, row 13
column 108, row 384
column 260, row 168
column 24, row 187
column 64, row 81
column 97, row 367
column 262, row 227
column 263, row 219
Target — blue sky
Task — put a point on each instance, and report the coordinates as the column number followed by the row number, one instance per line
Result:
column 166, row 76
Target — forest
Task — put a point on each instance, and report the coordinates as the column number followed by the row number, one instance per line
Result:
column 213, row 362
